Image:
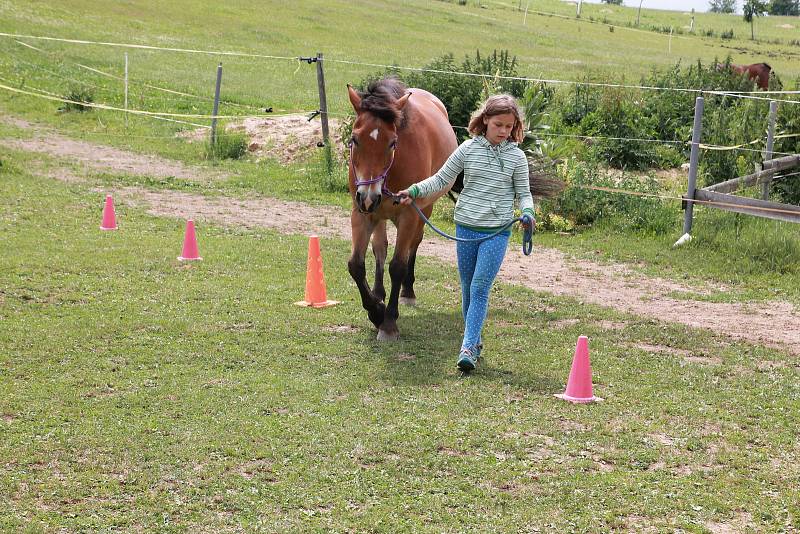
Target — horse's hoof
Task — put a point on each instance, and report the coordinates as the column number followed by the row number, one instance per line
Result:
column 408, row 301
column 388, row 336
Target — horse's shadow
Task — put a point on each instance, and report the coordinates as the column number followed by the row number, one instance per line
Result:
column 427, row 351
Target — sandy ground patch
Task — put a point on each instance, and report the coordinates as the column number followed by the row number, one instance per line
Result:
column 103, row 158
column 284, row 138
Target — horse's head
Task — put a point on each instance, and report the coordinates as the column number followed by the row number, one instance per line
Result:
column 374, row 140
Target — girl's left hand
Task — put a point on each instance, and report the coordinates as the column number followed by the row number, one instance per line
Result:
column 528, row 222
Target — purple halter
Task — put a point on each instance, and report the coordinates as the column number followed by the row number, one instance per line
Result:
column 382, row 176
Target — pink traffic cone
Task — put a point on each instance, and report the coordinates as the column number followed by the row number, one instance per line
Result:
column 579, row 385
column 189, row 244
column 316, row 296
column 109, row 217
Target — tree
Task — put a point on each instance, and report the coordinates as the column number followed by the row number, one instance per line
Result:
column 753, row 9
column 722, row 6
column 784, row 7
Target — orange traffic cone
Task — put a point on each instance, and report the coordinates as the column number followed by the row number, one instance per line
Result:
column 109, row 217
column 579, row 385
column 315, row 281
column 189, row 244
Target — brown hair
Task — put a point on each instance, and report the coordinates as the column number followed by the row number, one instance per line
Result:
column 498, row 105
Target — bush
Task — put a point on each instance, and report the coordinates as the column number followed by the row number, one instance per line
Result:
column 788, row 189
column 461, row 94
column 228, row 146
column 620, row 120
column 75, row 98
column 582, row 205
column 579, row 102
column 745, row 122
column 663, row 114
column 673, row 111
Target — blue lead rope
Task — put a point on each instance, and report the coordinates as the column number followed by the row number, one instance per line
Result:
column 527, row 234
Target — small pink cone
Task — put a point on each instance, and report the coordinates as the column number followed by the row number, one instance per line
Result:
column 189, row 244
column 316, row 296
column 109, row 217
column 579, row 385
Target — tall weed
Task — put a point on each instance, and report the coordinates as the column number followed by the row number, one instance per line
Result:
column 583, row 205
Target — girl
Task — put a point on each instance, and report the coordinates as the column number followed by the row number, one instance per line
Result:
column 495, row 173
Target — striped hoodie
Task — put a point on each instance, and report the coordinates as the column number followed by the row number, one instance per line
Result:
column 493, row 176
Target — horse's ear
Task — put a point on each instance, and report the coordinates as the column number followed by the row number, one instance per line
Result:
column 401, row 102
column 354, row 98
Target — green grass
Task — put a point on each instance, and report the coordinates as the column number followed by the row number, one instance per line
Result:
column 552, row 47
column 139, row 393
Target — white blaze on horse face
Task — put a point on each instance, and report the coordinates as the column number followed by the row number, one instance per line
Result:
column 374, row 134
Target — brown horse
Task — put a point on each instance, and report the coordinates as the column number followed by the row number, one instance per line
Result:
column 400, row 136
column 757, row 71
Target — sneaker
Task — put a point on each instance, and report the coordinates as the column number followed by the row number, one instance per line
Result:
column 467, row 361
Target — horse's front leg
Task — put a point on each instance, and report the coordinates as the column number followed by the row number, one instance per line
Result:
column 398, row 268
column 407, row 294
column 380, row 246
column 361, row 230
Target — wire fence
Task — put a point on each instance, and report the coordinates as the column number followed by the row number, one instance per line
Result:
column 181, row 118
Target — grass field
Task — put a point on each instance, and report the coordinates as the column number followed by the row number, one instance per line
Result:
column 138, row 393
column 141, row 394
column 411, row 35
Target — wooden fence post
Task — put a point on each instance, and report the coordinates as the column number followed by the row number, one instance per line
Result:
column 773, row 115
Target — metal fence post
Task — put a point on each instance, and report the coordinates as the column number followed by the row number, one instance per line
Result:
column 323, row 101
column 773, row 116
column 323, row 114
column 216, row 107
column 694, row 159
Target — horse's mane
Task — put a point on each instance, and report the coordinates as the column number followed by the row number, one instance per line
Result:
column 380, row 96
column 767, row 65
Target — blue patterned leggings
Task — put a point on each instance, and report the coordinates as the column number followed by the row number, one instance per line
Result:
column 478, row 265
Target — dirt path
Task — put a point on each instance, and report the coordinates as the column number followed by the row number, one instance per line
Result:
column 774, row 324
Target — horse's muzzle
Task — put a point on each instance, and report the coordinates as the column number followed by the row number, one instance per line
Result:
column 368, row 202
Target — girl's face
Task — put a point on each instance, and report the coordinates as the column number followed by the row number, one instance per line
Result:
column 498, row 127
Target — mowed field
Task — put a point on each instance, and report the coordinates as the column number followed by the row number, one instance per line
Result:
column 140, row 393
column 410, row 33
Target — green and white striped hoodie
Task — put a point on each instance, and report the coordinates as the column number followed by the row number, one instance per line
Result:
column 493, row 176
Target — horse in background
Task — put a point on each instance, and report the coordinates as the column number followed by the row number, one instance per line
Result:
column 400, row 137
column 759, row 72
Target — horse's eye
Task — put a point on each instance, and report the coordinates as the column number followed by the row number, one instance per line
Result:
column 393, row 145
column 352, row 142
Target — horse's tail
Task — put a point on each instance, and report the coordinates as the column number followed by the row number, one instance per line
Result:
column 542, row 179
